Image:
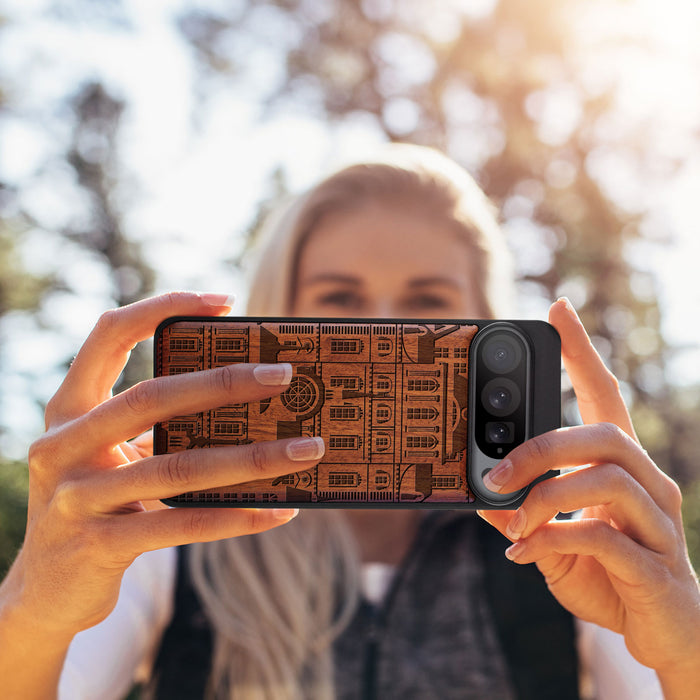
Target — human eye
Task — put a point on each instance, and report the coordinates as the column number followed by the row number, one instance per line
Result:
column 340, row 299
column 427, row 303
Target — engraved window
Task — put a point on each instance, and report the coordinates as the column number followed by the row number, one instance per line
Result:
column 234, row 428
column 383, row 384
column 461, row 352
column 342, row 479
column 345, row 346
column 230, row 344
column 345, row 412
column 383, row 413
column 181, row 370
column 421, row 441
column 345, row 382
column 422, row 385
column 442, row 352
column 180, row 426
column 344, row 442
column 461, row 367
column 382, row 443
column 384, row 347
column 422, row 413
column 247, row 497
column 381, row 479
column 287, row 479
column 445, row 482
column 180, row 344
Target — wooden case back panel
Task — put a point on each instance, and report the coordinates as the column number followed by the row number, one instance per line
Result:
column 389, row 399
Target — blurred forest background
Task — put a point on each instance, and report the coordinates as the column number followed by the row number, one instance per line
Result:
column 579, row 119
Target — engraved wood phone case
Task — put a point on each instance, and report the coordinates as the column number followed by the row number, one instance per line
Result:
column 390, row 399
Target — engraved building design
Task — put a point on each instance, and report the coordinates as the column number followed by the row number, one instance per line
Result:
column 389, row 399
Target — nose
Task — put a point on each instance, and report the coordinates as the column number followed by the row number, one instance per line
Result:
column 383, row 308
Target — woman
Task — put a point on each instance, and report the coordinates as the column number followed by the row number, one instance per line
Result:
column 409, row 236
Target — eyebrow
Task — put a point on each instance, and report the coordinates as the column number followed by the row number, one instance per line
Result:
column 433, row 281
column 418, row 282
column 333, row 277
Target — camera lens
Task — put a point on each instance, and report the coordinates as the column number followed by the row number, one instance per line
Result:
column 500, row 396
column 502, row 353
column 499, row 432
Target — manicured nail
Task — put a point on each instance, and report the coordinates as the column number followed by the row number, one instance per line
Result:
column 303, row 449
column 285, row 513
column 516, row 525
column 499, row 476
column 515, row 550
column 273, row 375
column 569, row 306
column 218, row 299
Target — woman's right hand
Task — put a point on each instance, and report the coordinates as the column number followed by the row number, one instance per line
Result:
column 88, row 516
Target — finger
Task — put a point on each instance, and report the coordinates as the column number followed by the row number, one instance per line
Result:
column 596, row 388
column 497, row 518
column 583, row 444
column 154, row 400
column 614, row 550
column 142, row 532
column 606, row 486
column 169, row 475
column 105, row 352
column 143, row 444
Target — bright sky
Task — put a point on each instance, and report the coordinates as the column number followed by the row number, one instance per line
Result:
column 194, row 189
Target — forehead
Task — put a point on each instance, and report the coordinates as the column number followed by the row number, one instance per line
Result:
column 376, row 240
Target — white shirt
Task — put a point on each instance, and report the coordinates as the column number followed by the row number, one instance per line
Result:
column 104, row 661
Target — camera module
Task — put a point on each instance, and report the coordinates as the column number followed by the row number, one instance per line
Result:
column 500, row 393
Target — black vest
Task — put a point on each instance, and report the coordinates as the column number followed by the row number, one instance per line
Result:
column 432, row 637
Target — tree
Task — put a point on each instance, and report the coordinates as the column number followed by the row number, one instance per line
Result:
column 503, row 91
column 93, row 155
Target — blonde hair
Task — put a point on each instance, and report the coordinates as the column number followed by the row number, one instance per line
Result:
column 277, row 600
column 404, row 175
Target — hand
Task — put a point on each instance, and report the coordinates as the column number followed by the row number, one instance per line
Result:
column 88, row 517
column 624, row 564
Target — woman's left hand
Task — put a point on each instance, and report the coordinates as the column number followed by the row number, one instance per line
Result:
column 624, row 563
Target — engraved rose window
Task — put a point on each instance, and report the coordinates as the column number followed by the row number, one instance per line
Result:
column 301, row 395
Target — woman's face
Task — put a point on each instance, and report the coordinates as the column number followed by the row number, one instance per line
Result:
column 385, row 261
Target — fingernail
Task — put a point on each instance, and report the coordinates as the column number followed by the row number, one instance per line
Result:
column 302, row 449
column 569, row 306
column 516, row 525
column 515, row 550
column 218, row 299
column 273, row 375
column 499, row 476
column 285, row 513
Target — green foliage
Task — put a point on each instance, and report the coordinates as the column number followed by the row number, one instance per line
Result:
column 14, row 484
column 18, row 289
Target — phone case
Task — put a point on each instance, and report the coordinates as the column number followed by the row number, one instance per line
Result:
column 391, row 398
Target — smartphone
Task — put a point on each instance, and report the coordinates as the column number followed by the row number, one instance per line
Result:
column 413, row 413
